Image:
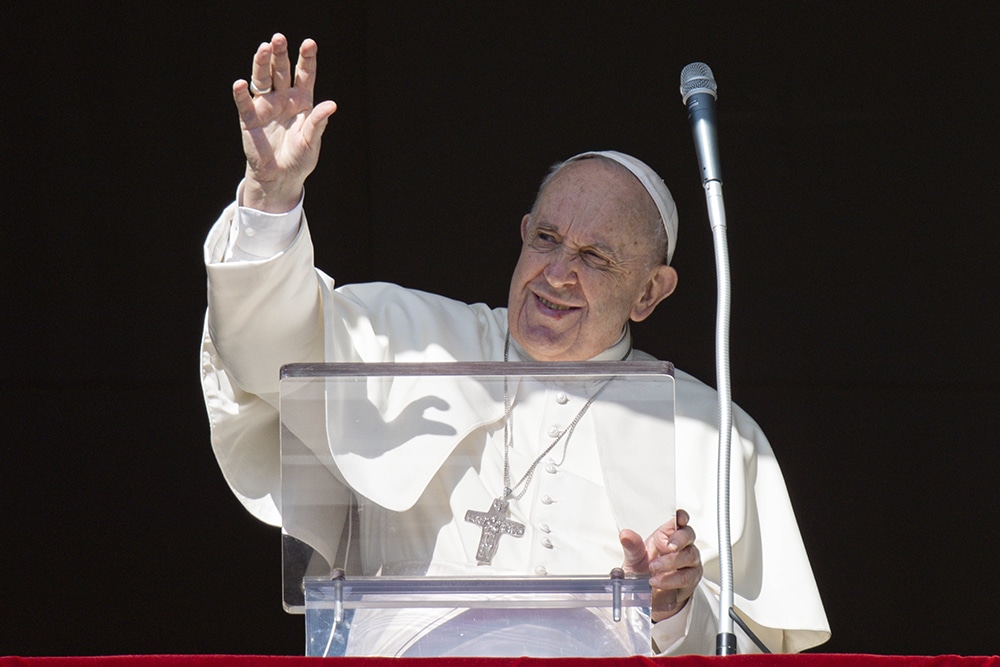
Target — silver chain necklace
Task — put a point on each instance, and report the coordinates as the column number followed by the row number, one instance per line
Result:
column 497, row 521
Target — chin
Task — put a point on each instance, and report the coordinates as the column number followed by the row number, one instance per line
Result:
column 538, row 348
column 542, row 343
column 547, row 351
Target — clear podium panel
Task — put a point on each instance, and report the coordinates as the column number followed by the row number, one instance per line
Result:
column 470, row 472
column 497, row 616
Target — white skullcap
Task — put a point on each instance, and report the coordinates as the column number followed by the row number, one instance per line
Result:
column 653, row 184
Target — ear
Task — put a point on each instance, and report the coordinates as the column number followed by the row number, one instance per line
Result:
column 661, row 284
column 524, row 227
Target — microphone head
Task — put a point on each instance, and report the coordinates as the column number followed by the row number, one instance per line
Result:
column 697, row 78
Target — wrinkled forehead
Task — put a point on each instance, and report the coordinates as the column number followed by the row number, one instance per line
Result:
column 589, row 197
column 595, row 185
column 651, row 183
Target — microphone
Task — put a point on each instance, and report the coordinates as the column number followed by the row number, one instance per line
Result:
column 698, row 92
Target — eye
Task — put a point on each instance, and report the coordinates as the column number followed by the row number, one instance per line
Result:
column 543, row 240
column 595, row 260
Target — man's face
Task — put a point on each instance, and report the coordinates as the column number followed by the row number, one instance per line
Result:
column 587, row 265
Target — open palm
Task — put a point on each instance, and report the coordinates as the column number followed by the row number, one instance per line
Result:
column 281, row 128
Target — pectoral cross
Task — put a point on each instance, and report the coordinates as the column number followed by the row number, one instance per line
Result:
column 495, row 523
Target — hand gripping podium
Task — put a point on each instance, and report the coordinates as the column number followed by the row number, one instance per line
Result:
column 472, row 509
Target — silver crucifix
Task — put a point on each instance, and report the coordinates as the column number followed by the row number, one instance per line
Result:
column 495, row 523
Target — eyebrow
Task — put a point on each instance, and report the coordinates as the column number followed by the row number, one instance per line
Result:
column 598, row 246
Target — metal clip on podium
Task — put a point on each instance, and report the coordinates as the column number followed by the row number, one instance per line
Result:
column 391, row 479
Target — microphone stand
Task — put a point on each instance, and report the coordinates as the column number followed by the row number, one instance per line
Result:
column 725, row 642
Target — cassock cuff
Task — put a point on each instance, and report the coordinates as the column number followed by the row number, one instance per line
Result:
column 667, row 633
column 256, row 235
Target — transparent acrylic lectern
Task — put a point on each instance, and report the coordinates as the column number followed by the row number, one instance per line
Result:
column 400, row 536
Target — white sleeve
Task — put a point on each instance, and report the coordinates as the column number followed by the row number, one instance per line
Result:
column 256, row 235
column 690, row 632
column 669, row 632
column 262, row 314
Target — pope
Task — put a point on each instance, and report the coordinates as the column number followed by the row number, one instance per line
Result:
column 595, row 255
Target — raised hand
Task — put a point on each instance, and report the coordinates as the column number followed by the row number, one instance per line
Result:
column 281, row 127
column 672, row 561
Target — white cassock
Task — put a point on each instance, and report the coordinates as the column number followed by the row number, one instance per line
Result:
column 278, row 309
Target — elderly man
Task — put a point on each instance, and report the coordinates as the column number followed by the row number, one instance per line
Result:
column 595, row 255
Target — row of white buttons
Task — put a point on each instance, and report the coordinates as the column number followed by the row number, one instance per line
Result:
column 547, row 500
column 550, row 467
column 545, row 542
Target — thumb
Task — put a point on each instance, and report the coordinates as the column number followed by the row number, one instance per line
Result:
column 316, row 122
column 636, row 559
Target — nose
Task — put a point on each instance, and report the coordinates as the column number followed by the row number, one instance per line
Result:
column 560, row 270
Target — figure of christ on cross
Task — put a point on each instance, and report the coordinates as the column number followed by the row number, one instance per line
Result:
column 495, row 523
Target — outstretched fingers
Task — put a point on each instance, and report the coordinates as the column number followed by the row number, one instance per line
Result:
column 271, row 67
column 305, row 68
column 244, row 103
column 271, row 70
column 260, row 72
column 281, row 74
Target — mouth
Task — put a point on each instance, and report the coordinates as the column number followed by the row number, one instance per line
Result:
column 552, row 306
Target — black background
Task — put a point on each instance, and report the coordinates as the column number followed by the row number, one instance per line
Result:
column 858, row 149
